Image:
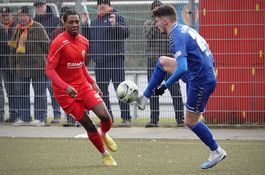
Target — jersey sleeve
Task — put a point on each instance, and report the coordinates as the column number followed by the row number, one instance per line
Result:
column 52, row 62
column 178, row 43
column 87, row 75
column 182, row 68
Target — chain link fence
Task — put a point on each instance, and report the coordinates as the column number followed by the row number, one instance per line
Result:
column 234, row 30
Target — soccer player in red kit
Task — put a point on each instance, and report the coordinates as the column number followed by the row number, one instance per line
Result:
column 74, row 88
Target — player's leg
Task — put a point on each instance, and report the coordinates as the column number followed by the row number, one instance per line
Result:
column 105, row 124
column 95, row 137
column 94, row 102
column 196, row 102
column 164, row 65
column 92, row 132
column 77, row 111
column 203, row 132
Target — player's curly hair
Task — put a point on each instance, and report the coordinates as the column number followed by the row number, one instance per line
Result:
column 68, row 13
column 166, row 11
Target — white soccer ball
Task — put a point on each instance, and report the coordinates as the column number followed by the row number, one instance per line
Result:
column 127, row 91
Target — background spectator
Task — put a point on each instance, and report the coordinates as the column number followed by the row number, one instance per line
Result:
column 45, row 16
column 157, row 45
column 28, row 47
column 108, row 31
column 60, row 28
column 85, row 23
column 6, row 72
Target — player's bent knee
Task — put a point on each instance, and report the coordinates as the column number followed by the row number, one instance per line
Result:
column 162, row 60
column 104, row 115
column 106, row 118
column 191, row 119
column 189, row 125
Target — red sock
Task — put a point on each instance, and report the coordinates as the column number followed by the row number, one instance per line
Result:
column 105, row 126
column 97, row 141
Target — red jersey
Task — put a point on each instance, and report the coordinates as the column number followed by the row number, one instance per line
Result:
column 65, row 63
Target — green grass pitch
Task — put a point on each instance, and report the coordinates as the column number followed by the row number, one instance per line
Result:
column 53, row 156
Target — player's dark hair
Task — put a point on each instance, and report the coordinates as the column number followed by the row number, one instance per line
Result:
column 166, row 11
column 68, row 13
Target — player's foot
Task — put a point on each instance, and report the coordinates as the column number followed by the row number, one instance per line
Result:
column 109, row 142
column 141, row 102
column 215, row 157
column 108, row 160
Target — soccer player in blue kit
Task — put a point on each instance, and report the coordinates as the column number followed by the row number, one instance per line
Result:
column 194, row 64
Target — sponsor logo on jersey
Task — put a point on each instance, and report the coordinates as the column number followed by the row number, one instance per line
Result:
column 75, row 65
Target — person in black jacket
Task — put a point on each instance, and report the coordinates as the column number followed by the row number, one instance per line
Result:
column 45, row 16
column 107, row 34
column 157, row 45
column 6, row 72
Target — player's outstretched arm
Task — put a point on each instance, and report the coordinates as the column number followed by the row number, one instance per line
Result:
column 182, row 68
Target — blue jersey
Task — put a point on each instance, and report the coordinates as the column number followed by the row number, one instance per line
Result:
column 186, row 42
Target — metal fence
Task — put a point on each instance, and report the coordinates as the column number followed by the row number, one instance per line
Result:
column 235, row 32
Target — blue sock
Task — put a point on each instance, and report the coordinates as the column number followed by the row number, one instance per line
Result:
column 203, row 132
column 157, row 77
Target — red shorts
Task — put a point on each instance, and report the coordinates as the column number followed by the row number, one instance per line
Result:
column 86, row 98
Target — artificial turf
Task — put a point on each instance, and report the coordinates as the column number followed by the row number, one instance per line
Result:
column 61, row 156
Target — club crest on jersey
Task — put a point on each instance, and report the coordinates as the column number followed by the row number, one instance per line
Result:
column 83, row 53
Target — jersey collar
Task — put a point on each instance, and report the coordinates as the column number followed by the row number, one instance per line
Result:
column 173, row 27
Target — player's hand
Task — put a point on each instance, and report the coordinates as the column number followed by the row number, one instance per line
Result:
column 97, row 89
column 160, row 90
column 71, row 91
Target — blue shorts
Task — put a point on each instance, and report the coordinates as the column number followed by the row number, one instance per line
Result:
column 198, row 96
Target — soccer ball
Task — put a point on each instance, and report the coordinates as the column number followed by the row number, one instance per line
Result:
column 127, row 91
